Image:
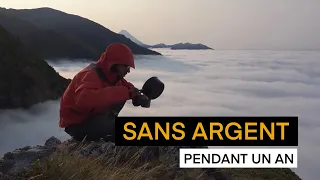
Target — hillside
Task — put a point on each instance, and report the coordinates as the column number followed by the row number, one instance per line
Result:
column 89, row 35
column 25, row 78
column 45, row 43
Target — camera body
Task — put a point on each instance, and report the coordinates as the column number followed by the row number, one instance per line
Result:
column 141, row 100
column 151, row 90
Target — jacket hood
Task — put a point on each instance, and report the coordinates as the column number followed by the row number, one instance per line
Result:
column 116, row 53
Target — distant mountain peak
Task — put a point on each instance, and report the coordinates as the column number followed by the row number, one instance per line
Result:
column 124, row 31
column 131, row 37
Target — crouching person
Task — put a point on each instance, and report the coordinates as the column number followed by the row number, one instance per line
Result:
column 97, row 94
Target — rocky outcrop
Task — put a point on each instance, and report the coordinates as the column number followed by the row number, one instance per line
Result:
column 17, row 163
column 25, row 79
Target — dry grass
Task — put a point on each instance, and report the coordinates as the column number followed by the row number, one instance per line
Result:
column 261, row 174
column 65, row 165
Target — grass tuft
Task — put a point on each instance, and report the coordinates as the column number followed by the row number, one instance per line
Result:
column 66, row 164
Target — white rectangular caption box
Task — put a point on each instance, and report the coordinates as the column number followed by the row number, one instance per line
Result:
column 238, row 158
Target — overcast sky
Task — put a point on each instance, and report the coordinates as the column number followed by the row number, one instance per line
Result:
column 221, row 24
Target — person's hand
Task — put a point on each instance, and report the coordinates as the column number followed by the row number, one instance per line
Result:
column 145, row 101
column 143, row 97
column 134, row 92
column 141, row 100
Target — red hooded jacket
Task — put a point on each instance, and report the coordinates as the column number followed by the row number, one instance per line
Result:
column 87, row 94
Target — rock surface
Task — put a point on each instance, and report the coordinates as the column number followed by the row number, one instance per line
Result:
column 15, row 163
column 25, row 78
column 23, row 158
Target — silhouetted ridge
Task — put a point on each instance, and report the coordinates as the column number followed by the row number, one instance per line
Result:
column 56, row 34
column 25, row 78
column 188, row 46
column 45, row 43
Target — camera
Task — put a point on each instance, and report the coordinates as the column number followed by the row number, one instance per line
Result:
column 141, row 100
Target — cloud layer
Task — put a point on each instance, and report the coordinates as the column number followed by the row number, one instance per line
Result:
column 205, row 83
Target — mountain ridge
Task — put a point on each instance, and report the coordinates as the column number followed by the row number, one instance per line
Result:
column 41, row 41
column 25, row 78
column 177, row 46
column 74, row 36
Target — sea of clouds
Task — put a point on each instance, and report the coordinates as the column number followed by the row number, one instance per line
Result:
column 204, row 83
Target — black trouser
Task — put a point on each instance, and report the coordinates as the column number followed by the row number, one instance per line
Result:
column 96, row 127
